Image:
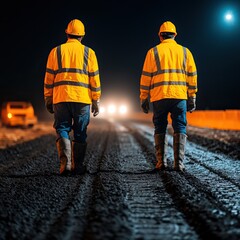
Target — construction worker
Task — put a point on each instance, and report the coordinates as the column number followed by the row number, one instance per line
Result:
column 169, row 76
column 71, row 86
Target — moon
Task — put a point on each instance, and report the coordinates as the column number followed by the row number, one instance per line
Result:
column 228, row 16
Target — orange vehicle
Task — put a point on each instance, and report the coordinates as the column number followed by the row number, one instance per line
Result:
column 18, row 113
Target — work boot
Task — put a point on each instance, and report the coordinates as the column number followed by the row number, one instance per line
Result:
column 78, row 154
column 161, row 145
column 64, row 154
column 179, row 142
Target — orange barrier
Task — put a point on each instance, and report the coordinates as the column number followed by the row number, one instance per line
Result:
column 218, row 119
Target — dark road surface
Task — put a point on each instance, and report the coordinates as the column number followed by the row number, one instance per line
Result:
column 121, row 196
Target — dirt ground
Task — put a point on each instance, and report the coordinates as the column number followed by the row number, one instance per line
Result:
column 222, row 140
column 121, row 196
column 10, row 136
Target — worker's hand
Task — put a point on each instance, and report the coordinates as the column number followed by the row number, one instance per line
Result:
column 145, row 105
column 95, row 107
column 49, row 104
column 191, row 104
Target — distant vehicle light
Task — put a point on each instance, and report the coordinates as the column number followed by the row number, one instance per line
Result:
column 102, row 110
column 122, row 109
column 112, row 108
column 18, row 113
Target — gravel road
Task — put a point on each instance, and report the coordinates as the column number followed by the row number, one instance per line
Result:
column 121, row 196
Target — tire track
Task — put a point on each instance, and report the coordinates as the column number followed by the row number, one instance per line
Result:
column 59, row 207
column 121, row 196
column 130, row 200
column 218, row 210
column 74, row 218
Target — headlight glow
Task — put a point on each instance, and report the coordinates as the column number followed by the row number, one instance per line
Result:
column 112, row 108
column 122, row 109
column 102, row 110
column 9, row 115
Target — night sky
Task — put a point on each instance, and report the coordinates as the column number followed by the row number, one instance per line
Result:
column 121, row 33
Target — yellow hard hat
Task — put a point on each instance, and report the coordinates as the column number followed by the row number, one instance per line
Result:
column 168, row 27
column 76, row 28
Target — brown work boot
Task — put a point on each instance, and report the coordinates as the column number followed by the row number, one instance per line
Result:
column 78, row 154
column 161, row 145
column 64, row 154
column 179, row 143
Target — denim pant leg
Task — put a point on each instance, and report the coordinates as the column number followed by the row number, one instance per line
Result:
column 62, row 120
column 81, row 118
column 160, row 116
column 178, row 115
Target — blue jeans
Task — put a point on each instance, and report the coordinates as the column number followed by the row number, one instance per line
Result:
column 177, row 109
column 71, row 116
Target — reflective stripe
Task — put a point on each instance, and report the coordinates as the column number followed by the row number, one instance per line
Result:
column 184, row 57
column 93, row 89
column 85, row 60
column 59, row 59
column 48, row 70
column 93, row 74
column 148, row 74
column 72, row 70
column 70, row 83
column 144, row 87
column 157, row 59
column 169, row 71
column 48, row 86
column 192, row 87
column 66, row 82
column 191, row 74
column 175, row 83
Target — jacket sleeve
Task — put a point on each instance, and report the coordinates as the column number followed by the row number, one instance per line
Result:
column 191, row 75
column 146, row 76
column 49, row 75
column 94, row 77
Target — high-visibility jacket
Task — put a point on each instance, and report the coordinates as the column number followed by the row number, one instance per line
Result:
column 169, row 71
column 72, row 74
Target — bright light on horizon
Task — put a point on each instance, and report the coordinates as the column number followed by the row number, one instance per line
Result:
column 111, row 109
column 122, row 109
column 102, row 109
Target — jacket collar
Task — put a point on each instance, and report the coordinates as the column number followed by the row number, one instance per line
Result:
column 73, row 40
column 169, row 40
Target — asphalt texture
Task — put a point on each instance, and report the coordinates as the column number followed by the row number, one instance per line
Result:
column 122, row 196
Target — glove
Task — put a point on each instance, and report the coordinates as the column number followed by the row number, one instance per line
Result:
column 145, row 105
column 49, row 104
column 191, row 104
column 95, row 107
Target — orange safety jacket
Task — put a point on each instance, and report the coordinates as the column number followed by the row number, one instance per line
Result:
column 72, row 74
column 169, row 71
